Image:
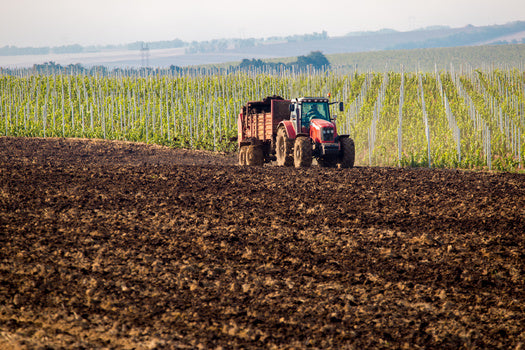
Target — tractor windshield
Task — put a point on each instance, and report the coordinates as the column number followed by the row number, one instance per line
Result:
column 314, row 110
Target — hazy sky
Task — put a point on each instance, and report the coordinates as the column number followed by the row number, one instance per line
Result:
column 91, row 22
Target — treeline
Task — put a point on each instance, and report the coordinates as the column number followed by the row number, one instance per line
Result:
column 13, row 50
column 46, row 50
column 315, row 59
column 217, row 45
column 53, row 68
column 220, row 45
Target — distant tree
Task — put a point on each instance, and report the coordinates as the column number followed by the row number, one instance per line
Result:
column 246, row 63
column 67, row 49
column 47, row 68
column 314, row 58
column 76, row 68
column 98, row 70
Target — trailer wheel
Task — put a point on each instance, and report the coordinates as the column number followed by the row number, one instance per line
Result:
column 346, row 159
column 242, row 155
column 254, row 156
column 283, row 148
column 302, row 152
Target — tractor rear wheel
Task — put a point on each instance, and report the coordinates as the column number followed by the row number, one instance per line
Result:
column 346, row 159
column 242, row 155
column 302, row 154
column 254, row 156
column 283, row 148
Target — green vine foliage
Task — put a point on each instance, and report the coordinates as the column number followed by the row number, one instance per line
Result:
column 200, row 111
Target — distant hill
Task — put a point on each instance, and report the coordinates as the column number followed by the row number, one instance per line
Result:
column 179, row 53
column 511, row 33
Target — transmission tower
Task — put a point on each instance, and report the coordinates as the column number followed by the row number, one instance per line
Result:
column 144, row 53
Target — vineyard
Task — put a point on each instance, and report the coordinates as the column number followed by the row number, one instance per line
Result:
column 461, row 118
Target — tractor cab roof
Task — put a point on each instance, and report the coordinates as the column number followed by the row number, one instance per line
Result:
column 311, row 100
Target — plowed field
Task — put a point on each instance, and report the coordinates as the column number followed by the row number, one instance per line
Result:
column 121, row 245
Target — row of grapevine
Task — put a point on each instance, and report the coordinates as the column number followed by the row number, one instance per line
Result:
column 471, row 119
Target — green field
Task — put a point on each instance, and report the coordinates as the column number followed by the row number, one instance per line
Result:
column 458, row 116
column 486, row 57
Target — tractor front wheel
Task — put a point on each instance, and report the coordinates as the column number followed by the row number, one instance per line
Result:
column 347, row 157
column 302, row 154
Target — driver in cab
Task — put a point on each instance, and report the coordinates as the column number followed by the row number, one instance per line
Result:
column 313, row 113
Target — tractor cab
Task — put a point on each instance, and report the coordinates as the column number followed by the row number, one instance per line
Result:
column 314, row 110
column 305, row 109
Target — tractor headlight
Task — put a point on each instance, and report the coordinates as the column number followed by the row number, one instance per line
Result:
column 328, row 134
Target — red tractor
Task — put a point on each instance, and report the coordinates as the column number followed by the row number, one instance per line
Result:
column 292, row 132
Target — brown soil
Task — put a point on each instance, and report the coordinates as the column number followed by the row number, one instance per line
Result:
column 122, row 245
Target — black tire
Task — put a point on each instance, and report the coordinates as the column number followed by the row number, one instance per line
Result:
column 242, row 155
column 327, row 162
column 283, row 148
column 302, row 153
column 254, row 156
column 346, row 159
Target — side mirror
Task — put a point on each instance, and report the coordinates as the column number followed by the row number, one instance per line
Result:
column 292, row 107
column 334, row 118
column 341, row 107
